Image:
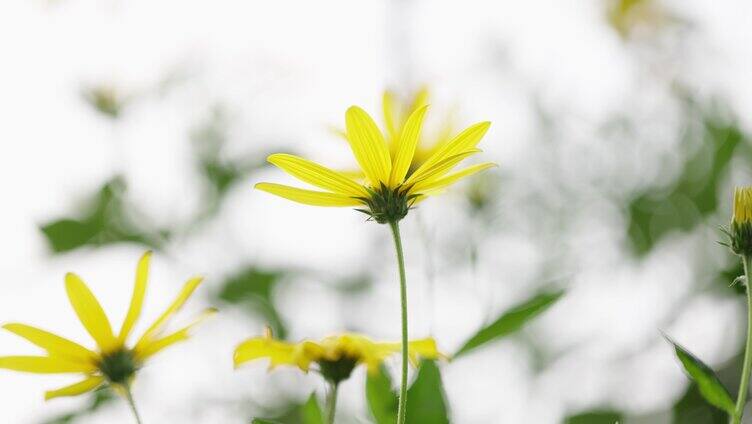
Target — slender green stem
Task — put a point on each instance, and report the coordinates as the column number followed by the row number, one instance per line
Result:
column 131, row 403
column 744, row 384
column 402, row 410
column 331, row 403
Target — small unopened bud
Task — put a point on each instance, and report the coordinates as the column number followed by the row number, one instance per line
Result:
column 741, row 222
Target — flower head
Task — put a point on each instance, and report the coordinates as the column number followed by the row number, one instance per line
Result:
column 113, row 361
column 335, row 356
column 390, row 186
column 741, row 222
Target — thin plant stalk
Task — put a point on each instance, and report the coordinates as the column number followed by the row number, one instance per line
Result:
column 331, row 403
column 744, row 384
column 132, row 403
column 402, row 410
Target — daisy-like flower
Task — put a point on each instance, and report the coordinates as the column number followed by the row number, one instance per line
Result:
column 113, row 362
column 335, row 357
column 390, row 187
column 391, row 183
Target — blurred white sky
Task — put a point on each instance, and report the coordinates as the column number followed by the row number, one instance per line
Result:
column 286, row 71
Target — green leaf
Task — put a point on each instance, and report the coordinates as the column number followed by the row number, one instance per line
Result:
column 510, row 321
column 595, row 417
column 253, row 288
column 708, row 383
column 264, row 421
column 382, row 401
column 97, row 399
column 106, row 219
column 311, row 411
column 426, row 400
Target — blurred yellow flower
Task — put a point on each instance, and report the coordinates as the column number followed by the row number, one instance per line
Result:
column 113, row 361
column 390, row 187
column 396, row 113
column 336, row 356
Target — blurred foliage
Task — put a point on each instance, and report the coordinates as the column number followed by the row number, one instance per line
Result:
column 97, row 399
column 510, row 321
column 311, row 411
column 425, row 396
column 253, row 289
column 105, row 99
column 381, row 400
column 219, row 172
column 106, row 218
column 596, row 417
column 659, row 210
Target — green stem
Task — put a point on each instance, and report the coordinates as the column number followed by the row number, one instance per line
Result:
column 131, row 403
column 402, row 410
column 744, row 384
column 331, row 403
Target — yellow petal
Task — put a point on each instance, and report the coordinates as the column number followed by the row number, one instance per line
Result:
column 308, row 197
column 278, row 352
column 406, row 149
column 424, row 348
column 43, row 365
column 464, row 141
column 421, row 98
column 137, row 300
column 53, row 344
column 452, row 178
column 153, row 347
column 178, row 303
column 317, row 175
column 90, row 313
column 76, row 389
column 439, row 169
column 391, row 120
column 368, row 146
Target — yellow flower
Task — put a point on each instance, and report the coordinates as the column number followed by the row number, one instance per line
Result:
column 113, row 361
column 335, row 356
column 390, row 187
column 742, row 205
column 396, row 113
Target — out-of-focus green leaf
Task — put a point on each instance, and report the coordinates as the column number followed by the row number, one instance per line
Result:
column 426, row 399
column 219, row 172
column 382, row 401
column 707, row 382
column 310, row 412
column 106, row 220
column 97, row 399
column 595, row 417
column 659, row 210
column 253, row 287
column 105, row 99
column 510, row 321
column 264, row 421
